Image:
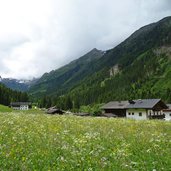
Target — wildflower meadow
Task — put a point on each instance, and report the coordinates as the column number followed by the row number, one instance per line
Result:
column 44, row 142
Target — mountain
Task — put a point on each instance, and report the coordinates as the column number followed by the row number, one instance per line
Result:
column 15, row 84
column 65, row 78
column 139, row 67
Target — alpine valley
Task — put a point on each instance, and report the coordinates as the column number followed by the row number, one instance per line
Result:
column 139, row 67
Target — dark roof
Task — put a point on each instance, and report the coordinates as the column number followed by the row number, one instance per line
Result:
column 116, row 105
column 143, row 103
column 54, row 110
column 20, row 103
column 133, row 104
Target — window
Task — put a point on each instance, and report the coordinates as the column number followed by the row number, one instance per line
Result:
column 170, row 114
column 129, row 113
column 132, row 113
column 140, row 114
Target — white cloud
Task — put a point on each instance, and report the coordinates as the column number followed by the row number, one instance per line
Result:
column 37, row 36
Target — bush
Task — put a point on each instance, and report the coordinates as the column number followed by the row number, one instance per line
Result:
column 94, row 110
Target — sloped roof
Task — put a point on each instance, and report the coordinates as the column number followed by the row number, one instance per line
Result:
column 20, row 103
column 143, row 103
column 133, row 104
column 116, row 105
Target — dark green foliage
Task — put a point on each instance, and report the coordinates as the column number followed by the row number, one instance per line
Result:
column 68, row 103
column 7, row 95
column 45, row 102
column 144, row 61
column 94, row 110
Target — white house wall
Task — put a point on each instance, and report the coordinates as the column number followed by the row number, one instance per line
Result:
column 24, row 107
column 167, row 115
column 136, row 114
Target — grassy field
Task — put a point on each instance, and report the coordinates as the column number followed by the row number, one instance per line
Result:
column 5, row 109
column 43, row 142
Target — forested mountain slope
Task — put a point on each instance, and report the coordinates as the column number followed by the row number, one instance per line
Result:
column 57, row 82
column 139, row 67
column 7, row 96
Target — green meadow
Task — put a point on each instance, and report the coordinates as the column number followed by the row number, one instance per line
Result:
column 45, row 142
column 5, row 108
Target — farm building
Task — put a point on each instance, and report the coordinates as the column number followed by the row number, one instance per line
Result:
column 54, row 110
column 21, row 105
column 136, row 109
column 146, row 109
column 167, row 113
column 118, row 108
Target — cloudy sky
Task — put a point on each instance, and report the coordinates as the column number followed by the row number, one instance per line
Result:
column 37, row 36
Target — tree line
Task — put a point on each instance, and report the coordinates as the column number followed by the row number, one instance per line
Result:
column 7, row 96
column 147, row 77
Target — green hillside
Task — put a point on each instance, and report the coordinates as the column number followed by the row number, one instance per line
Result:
column 59, row 81
column 5, row 108
column 139, row 67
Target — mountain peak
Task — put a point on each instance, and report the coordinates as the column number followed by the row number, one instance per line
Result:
column 95, row 50
column 88, row 78
column 94, row 53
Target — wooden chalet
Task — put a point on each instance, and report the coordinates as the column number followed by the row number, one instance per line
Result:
column 145, row 109
column 137, row 109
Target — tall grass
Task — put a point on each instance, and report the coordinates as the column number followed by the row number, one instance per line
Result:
column 5, row 108
column 43, row 142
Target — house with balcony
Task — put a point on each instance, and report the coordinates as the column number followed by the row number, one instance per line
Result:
column 140, row 109
column 145, row 109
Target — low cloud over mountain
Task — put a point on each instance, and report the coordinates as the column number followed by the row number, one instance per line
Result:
column 38, row 36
